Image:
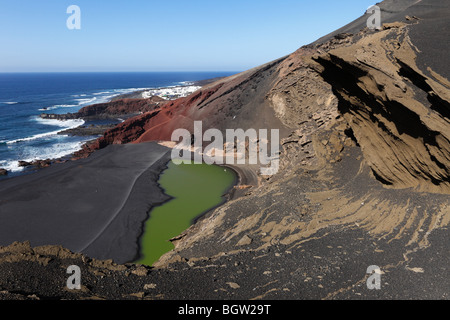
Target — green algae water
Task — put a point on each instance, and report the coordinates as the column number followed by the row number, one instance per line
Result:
column 195, row 189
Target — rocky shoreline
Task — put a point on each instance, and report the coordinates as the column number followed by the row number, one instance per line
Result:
column 91, row 130
column 115, row 111
column 124, row 106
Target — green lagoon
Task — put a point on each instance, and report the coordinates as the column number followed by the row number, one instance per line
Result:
column 195, row 189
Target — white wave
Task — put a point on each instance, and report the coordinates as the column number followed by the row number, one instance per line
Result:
column 186, row 83
column 55, row 151
column 36, row 136
column 68, row 124
column 85, row 101
column 9, row 103
column 10, row 165
column 59, row 106
column 71, row 123
column 100, row 93
column 106, row 98
column 65, row 106
column 129, row 90
column 101, row 97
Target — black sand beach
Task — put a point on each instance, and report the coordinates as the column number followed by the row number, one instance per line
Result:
column 364, row 181
column 86, row 205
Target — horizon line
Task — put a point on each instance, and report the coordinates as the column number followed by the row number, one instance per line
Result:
column 197, row 71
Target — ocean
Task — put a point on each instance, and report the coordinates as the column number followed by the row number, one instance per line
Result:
column 24, row 96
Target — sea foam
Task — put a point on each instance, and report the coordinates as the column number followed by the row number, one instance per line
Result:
column 64, row 125
column 59, row 106
column 55, row 151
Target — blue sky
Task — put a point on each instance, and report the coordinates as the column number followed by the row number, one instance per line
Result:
column 147, row 35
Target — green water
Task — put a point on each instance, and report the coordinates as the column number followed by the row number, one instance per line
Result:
column 195, row 188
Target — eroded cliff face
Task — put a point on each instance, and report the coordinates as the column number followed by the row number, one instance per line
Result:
column 399, row 115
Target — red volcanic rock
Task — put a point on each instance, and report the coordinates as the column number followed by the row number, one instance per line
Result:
column 125, row 132
column 42, row 163
column 180, row 113
column 24, row 164
column 217, row 105
column 150, row 126
column 118, row 107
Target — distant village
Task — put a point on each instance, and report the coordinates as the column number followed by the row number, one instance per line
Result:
column 170, row 93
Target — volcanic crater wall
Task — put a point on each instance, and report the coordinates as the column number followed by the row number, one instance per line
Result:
column 399, row 115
